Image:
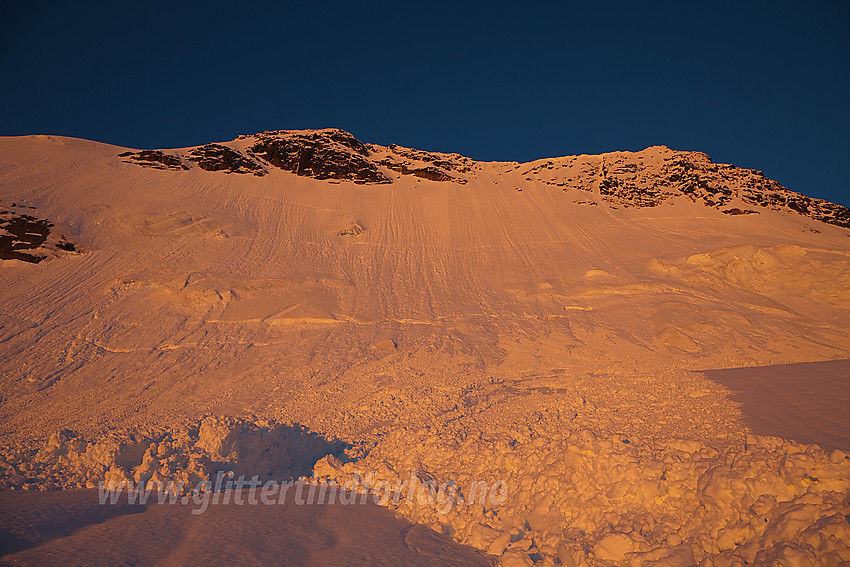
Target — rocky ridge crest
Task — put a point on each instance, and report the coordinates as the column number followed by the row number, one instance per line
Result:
column 647, row 178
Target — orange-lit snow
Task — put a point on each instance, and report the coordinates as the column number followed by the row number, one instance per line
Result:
column 546, row 337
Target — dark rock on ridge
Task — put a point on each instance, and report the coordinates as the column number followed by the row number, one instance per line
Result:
column 327, row 154
column 435, row 168
column 632, row 179
column 153, row 158
column 429, row 172
column 215, row 157
column 450, row 162
column 694, row 174
column 631, row 183
column 433, row 173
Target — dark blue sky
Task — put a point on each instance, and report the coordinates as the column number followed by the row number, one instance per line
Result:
column 763, row 85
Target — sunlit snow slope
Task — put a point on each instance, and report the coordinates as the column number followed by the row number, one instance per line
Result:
column 380, row 294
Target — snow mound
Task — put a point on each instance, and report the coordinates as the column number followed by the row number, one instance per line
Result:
column 188, row 454
column 786, row 270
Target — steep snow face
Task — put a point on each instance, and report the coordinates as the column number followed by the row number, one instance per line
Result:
column 510, row 321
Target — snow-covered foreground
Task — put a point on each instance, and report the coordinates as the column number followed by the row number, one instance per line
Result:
column 261, row 304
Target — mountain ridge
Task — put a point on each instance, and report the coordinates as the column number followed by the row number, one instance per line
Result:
column 645, row 178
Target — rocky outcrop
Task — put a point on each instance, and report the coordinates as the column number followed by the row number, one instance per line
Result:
column 353, row 230
column 628, row 180
column 153, row 158
column 324, row 154
column 772, row 195
column 427, row 165
column 25, row 238
column 634, row 182
column 215, row 157
column 429, row 172
column 23, row 233
column 433, row 174
column 450, row 162
column 655, row 175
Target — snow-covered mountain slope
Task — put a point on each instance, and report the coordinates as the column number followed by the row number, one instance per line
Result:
column 377, row 294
